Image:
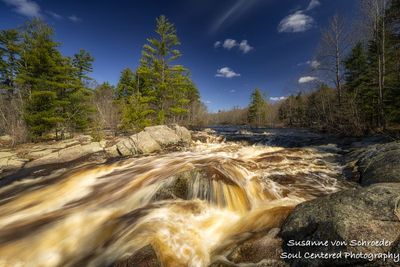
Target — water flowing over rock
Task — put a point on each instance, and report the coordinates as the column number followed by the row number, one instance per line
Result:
column 369, row 214
column 212, row 204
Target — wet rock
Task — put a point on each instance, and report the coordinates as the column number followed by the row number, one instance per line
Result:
column 163, row 135
column 358, row 214
column 66, row 155
column 145, row 257
column 379, row 163
column 263, row 248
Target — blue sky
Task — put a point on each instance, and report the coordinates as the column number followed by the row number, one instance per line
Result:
column 230, row 46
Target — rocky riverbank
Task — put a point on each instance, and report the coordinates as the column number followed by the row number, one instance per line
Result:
column 36, row 158
column 348, row 190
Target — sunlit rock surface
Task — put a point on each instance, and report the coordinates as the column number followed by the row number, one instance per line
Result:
column 368, row 214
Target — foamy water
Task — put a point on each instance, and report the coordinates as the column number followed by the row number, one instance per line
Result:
column 188, row 205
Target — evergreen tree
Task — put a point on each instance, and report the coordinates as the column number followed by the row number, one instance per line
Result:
column 9, row 55
column 43, row 70
column 167, row 87
column 126, row 85
column 257, row 108
column 136, row 112
column 83, row 62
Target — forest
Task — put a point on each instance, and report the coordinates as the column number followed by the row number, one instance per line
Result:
column 45, row 94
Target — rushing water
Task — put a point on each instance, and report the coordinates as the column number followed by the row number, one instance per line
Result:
column 187, row 205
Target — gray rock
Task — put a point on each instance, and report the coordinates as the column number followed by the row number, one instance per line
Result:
column 163, row 135
column 379, row 163
column 67, row 154
column 358, row 214
column 126, row 147
column 144, row 143
column 144, row 257
column 183, row 133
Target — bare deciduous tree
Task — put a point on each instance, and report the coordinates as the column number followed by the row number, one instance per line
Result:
column 335, row 43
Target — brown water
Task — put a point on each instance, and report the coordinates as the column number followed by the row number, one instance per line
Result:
column 187, row 205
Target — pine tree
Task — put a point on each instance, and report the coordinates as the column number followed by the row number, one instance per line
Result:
column 43, row 70
column 9, row 55
column 257, row 108
column 126, row 85
column 167, row 87
column 83, row 62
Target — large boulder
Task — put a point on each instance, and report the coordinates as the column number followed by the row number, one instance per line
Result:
column 367, row 214
column 67, row 154
column 378, row 163
column 145, row 143
column 163, row 135
column 183, row 133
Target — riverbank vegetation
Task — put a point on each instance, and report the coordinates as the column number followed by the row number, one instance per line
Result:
column 45, row 94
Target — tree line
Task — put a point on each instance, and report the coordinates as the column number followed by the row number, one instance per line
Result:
column 359, row 67
column 46, row 94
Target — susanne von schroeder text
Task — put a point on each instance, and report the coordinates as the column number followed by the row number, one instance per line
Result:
column 352, row 243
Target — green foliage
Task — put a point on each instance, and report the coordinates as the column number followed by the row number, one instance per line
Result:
column 9, row 55
column 41, row 112
column 257, row 108
column 126, row 84
column 168, row 88
column 136, row 112
column 83, row 62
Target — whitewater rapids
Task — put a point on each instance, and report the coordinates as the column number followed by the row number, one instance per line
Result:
column 189, row 206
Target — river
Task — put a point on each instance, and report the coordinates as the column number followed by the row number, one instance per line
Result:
column 191, row 206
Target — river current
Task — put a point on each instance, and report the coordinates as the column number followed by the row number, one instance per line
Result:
column 189, row 206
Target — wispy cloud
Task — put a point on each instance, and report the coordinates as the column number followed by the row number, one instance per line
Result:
column 207, row 102
column 217, row 44
column 226, row 72
column 74, row 18
column 229, row 44
column 296, row 22
column 312, row 63
column 54, row 15
column 233, row 13
column 232, row 91
column 27, row 8
column 278, row 98
column 307, row 79
column 313, row 4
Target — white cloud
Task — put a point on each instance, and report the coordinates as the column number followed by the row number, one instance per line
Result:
column 307, row 79
column 54, row 15
column 226, row 73
column 217, row 44
column 278, row 98
column 313, row 4
column 74, row 18
column 245, row 47
column 312, row 63
column 296, row 22
column 232, row 91
column 25, row 7
column 207, row 102
column 229, row 44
